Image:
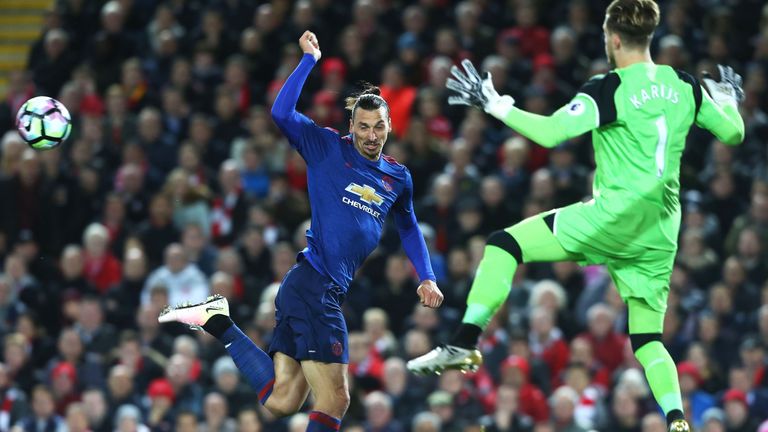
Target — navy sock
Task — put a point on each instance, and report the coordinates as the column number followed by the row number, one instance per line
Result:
column 254, row 364
column 321, row 422
column 217, row 325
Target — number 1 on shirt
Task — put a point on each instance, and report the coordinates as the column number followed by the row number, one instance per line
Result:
column 661, row 146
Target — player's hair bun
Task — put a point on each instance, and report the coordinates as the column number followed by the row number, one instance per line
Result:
column 368, row 89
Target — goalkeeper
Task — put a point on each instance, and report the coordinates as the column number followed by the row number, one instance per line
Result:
column 639, row 115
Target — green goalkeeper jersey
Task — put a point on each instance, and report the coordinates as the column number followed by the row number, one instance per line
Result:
column 639, row 116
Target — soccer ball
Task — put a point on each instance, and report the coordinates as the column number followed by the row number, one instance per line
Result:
column 43, row 123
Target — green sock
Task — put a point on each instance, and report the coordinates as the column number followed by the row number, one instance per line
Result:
column 662, row 375
column 660, row 369
column 493, row 281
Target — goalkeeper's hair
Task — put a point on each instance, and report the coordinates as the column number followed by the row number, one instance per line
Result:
column 633, row 20
column 369, row 98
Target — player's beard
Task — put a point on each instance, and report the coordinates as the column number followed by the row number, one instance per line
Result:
column 371, row 149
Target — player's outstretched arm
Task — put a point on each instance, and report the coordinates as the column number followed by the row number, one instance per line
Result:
column 569, row 121
column 415, row 246
column 284, row 113
column 719, row 112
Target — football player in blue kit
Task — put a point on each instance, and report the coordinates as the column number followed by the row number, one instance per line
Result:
column 352, row 187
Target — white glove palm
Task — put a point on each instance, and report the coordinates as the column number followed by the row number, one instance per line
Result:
column 472, row 90
column 728, row 90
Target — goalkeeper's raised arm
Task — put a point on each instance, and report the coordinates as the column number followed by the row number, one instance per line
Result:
column 593, row 107
column 579, row 116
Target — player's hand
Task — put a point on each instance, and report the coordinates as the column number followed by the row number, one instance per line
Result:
column 309, row 44
column 726, row 91
column 472, row 90
column 430, row 294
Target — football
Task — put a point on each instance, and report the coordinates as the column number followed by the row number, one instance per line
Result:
column 43, row 122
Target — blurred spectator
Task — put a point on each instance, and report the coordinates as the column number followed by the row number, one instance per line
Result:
column 248, row 421
column 197, row 249
column 96, row 410
column 98, row 337
column 229, row 206
column 72, row 277
column 18, row 365
column 515, row 373
column 110, row 45
column 624, row 412
column 426, row 422
column 28, row 188
column 400, row 97
column 606, row 343
column 64, row 386
column 547, row 343
column 365, row 362
column 589, row 409
column 76, row 419
column 43, row 413
column 71, row 350
column 699, row 401
column 189, row 394
column 124, row 297
column 714, row 420
column 379, row 415
column 507, row 415
column 128, row 419
column 158, row 231
column 161, row 397
column 52, row 69
column 16, row 401
column 101, row 268
column 403, row 388
column 183, row 280
column 653, row 422
column 396, row 292
column 216, row 414
column 737, row 416
column 563, row 403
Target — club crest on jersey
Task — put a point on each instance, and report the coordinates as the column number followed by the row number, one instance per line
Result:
column 367, row 195
column 386, row 181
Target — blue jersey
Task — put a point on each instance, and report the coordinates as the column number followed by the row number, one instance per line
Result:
column 349, row 195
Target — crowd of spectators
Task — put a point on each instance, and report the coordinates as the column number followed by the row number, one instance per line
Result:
column 175, row 185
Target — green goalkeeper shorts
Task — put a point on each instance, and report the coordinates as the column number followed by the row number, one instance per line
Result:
column 594, row 236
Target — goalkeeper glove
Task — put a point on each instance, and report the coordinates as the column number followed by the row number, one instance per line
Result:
column 472, row 90
column 728, row 90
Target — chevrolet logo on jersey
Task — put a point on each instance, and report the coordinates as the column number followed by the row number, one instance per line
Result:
column 366, row 193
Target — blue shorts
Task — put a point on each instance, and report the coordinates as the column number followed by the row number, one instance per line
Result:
column 309, row 322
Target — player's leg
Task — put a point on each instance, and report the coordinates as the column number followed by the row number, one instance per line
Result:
column 280, row 385
column 330, row 388
column 290, row 389
column 643, row 283
column 645, row 329
column 532, row 240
